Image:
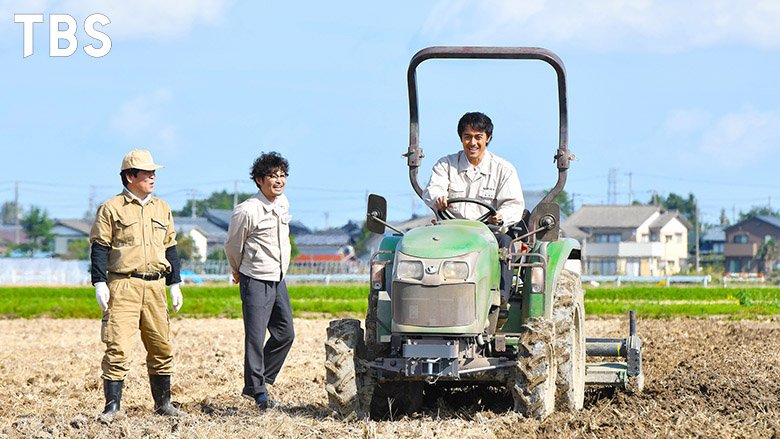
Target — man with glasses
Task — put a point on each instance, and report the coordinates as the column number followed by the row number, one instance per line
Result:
column 258, row 250
column 133, row 258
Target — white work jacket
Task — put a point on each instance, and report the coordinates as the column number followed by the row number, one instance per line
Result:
column 258, row 242
column 493, row 181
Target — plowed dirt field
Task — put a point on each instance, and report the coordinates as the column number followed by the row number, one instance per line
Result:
column 704, row 378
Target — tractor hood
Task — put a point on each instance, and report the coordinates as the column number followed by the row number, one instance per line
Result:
column 447, row 239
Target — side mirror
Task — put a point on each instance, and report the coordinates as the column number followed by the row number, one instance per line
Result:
column 377, row 210
column 547, row 217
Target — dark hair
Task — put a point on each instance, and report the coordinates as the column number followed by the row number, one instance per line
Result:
column 132, row 171
column 477, row 121
column 267, row 163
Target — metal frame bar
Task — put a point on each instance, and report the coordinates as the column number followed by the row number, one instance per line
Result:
column 415, row 155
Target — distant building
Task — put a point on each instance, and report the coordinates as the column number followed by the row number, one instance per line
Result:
column 209, row 232
column 712, row 245
column 68, row 231
column 327, row 245
column 8, row 236
column 744, row 240
column 633, row 240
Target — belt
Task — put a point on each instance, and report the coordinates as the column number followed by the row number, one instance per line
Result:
column 153, row 276
column 144, row 276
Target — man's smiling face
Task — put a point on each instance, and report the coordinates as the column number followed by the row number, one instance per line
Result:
column 272, row 184
column 474, row 144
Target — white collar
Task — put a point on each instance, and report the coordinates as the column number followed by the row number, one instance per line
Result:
column 143, row 202
column 268, row 205
column 464, row 165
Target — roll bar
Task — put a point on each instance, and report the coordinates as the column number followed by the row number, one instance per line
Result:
column 415, row 155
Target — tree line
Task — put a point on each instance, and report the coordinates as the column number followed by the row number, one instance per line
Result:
column 37, row 224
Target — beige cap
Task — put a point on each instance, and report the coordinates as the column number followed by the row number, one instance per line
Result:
column 139, row 159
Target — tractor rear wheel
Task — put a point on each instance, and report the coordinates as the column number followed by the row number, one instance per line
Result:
column 348, row 384
column 533, row 383
column 568, row 313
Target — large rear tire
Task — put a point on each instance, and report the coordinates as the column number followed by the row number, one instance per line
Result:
column 568, row 313
column 348, row 383
column 533, row 383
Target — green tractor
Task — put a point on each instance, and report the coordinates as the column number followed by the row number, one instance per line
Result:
column 434, row 316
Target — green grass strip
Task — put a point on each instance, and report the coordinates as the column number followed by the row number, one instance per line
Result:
column 205, row 301
column 679, row 309
column 679, row 293
column 225, row 301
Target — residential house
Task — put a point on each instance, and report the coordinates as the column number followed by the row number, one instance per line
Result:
column 711, row 246
column 744, row 241
column 204, row 241
column 68, row 231
column 333, row 245
column 208, row 235
column 635, row 240
column 9, row 234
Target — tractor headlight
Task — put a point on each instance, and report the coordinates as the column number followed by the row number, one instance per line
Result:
column 455, row 270
column 410, row 270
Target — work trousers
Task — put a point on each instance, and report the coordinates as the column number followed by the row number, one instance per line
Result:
column 266, row 306
column 136, row 304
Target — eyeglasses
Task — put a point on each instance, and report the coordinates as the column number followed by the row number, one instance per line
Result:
column 278, row 176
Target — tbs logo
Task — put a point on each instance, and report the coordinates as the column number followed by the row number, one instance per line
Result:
column 67, row 34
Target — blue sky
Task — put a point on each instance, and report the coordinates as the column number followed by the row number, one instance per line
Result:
column 675, row 96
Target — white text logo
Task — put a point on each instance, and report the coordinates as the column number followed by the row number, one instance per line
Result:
column 67, row 34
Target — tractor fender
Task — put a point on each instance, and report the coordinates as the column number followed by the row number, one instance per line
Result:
column 563, row 253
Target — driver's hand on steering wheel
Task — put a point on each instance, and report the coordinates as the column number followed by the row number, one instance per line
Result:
column 441, row 203
column 496, row 219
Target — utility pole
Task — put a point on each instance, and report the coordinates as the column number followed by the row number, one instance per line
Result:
column 630, row 192
column 91, row 208
column 192, row 194
column 697, row 234
column 235, row 193
column 612, row 186
column 17, row 214
column 574, row 201
column 326, row 219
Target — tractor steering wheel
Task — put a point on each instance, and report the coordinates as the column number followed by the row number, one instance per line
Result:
column 445, row 215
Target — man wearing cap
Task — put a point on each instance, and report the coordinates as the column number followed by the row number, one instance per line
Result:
column 133, row 257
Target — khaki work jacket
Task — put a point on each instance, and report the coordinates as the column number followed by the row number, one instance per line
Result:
column 136, row 234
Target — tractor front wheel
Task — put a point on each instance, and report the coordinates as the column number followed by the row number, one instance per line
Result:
column 533, row 383
column 348, row 383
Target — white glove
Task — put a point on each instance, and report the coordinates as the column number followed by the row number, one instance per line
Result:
column 176, row 298
column 102, row 295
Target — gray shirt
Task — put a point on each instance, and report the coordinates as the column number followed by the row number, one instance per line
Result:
column 258, row 242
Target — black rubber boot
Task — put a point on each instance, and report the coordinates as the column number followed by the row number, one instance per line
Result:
column 161, row 392
column 113, row 392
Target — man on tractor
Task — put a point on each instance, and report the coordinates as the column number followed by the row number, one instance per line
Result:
column 478, row 174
